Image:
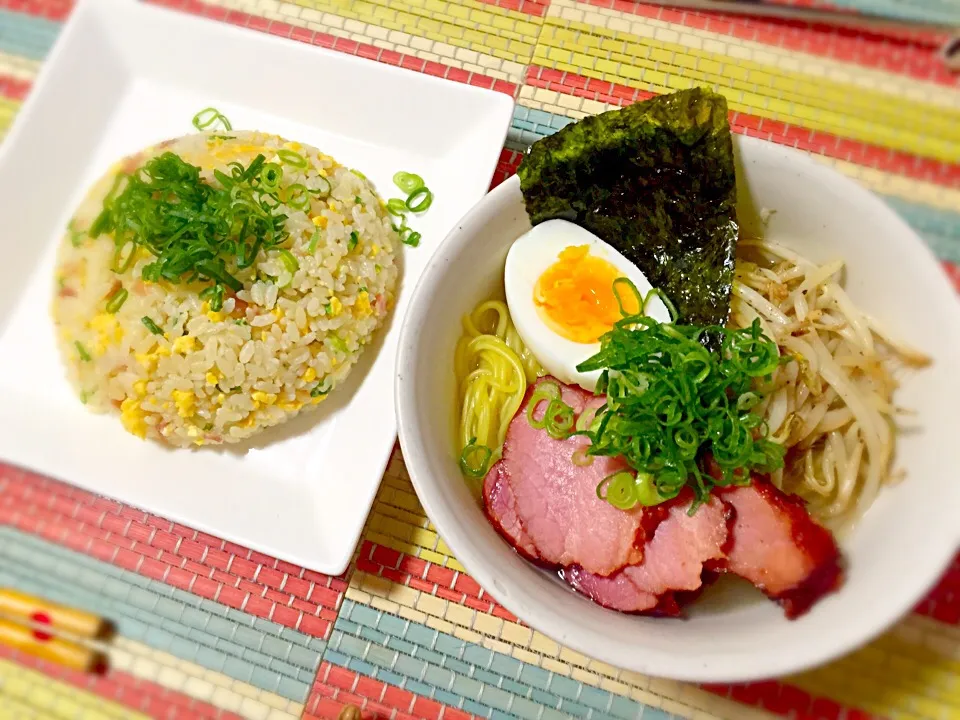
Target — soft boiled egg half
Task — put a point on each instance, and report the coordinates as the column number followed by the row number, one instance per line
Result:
column 559, row 283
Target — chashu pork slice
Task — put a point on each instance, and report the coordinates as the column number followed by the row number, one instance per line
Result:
column 779, row 548
column 681, row 548
column 546, row 505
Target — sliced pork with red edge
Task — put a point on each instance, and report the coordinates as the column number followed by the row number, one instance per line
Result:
column 502, row 511
column 546, row 505
column 779, row 548
column 674, row 559
column 650, row 560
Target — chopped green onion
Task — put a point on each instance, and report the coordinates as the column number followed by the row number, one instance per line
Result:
column 687, row 441
column 358, row 200
column 151, row 325
column 751, row 352
column 312, row 247
column 581, row 458
column 298, row 197
column 338, row 344
column 117, row 300
column 123, row 260
column 646, row 490
column 194, row 229
column 354, row 239
column 668, row 303
column 671, row 402
column 214, row 295
column 587, row 420
column 421, row 206
column 531, row 409
column 619, row 489
column 248, row 255
column 548, row 391
column 396, row 207
column 408, row 182
column 289, row 261
column 318, row 390
column 252, row 170
column 82, row 351
column 324, row 191
column 270, row 201
column 208, row 116
column 216, row 271
column 76, row 236
column 633, row 290
column 359, row 174
column 102, row 221
column 406, row 233
column 559, row 419
column 475, row 459
column 270, row 176
column 291, row 158
column 697, row 366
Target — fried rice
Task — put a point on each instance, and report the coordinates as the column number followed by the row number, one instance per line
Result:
column 276, row 348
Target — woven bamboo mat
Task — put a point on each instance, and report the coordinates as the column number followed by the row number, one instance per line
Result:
column 211, row 629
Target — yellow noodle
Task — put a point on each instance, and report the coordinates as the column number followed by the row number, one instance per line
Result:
column 493, row 368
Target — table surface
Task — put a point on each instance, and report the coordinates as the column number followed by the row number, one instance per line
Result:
column 211, row 629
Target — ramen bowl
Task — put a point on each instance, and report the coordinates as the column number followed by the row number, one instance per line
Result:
column 893, row 555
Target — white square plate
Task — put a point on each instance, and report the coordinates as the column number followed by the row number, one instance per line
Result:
column 125, row 75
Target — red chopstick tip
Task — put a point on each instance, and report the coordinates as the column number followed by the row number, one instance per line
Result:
column 41, row 618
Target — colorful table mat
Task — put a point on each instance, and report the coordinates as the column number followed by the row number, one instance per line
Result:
column 207, row 628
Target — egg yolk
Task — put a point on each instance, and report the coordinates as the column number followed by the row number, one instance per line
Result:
column 575, row 296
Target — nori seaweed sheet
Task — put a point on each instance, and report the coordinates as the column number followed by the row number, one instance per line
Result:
column 656, row 180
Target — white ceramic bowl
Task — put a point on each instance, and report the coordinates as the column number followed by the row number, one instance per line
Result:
column 894, row 555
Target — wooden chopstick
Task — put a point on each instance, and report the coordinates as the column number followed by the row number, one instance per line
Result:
column 27, row 609
column 51, row 631
column 51, row 647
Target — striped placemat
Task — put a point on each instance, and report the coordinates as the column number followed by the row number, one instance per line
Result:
column 210, row 629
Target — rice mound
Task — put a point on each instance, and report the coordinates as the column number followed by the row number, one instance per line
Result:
column 275, row 349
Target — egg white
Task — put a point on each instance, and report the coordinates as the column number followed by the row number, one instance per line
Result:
column 527, row 260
